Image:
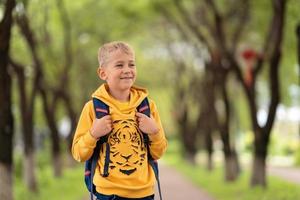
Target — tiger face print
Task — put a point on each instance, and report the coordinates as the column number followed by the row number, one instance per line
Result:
column 127, row 149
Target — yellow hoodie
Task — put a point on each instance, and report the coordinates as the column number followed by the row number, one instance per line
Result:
column 130, row 174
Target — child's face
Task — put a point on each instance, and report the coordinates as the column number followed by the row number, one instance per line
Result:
column 119, row 71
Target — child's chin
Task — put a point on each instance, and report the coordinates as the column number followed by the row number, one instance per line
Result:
column 127, row 86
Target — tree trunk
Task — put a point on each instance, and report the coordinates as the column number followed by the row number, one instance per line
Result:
column 26, row 109
column 6, row 181
column 209, row 150
column 189, row 144
column 216, row 75
column 188, row 135
column 258, row 176
column 204, row 129
column 29, row 171
column 206, row 123
column 232, row 168
column 6, row 117
column 231, row 159
column 56, row 158
column 261, row 142
column 57, row 164
column 262, row 134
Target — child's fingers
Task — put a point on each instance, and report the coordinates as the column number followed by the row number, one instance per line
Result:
column 139, row 115
column 106, row 117
column 109, row 126
column 108, row 121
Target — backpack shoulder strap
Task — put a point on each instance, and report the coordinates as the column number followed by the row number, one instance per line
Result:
column 144, row 108
column 101, row 110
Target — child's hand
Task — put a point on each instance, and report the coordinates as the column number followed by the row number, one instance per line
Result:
column 101, row 127
column 146, row 124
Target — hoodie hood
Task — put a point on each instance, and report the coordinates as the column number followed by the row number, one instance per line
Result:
column 137, row 95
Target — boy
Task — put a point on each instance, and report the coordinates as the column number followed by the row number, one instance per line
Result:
column 130, row 175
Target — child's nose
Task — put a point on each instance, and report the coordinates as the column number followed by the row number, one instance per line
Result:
column 127, row 68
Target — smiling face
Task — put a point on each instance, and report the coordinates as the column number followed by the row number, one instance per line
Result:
column 119, row 71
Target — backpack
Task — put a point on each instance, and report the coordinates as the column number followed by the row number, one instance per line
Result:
column 101, row 110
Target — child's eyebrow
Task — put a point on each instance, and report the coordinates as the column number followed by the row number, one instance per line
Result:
column 119, row 61
column 122, row 61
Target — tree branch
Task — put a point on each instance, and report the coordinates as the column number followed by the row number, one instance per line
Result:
column 219, row 32
column 241, row 24
column 192, row 26
column 278, row 27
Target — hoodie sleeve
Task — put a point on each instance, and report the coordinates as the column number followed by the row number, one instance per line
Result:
column 159, row 142
column 83, row 143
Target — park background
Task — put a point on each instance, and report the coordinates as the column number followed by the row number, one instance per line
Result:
column 224, row 75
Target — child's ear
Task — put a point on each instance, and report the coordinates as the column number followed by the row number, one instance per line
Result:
column 101, row 73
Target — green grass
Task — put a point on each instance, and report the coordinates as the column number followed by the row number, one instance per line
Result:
column 213, row 182
column 69, row 187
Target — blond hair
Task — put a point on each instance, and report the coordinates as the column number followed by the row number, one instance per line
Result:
column 105, row 51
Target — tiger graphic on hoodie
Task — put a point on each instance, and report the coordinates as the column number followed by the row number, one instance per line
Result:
column 127, row 137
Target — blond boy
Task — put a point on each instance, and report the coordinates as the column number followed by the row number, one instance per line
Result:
column 130, row 175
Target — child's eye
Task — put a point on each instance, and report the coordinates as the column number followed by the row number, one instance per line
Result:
column 132, row 65
column 119, row 65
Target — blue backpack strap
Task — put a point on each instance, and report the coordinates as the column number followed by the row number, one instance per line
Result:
column 144, row 108
column 101, row 110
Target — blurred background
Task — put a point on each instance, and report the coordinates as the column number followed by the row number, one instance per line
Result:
column 223, row 73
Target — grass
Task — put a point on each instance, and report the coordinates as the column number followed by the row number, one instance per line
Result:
column 213, row 182
column 70, row 186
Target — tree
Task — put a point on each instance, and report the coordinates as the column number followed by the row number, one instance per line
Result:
column 27, row 105
column 186, row 23
column 6, row 117
column 42, row 88
column 221, row 32
column 272, row 50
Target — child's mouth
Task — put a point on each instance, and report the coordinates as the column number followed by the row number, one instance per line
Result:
column 126, row 78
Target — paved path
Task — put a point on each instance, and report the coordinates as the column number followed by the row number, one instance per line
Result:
column 287, row 173
column 177, row 187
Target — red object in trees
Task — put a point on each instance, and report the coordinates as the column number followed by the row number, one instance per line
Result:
column 248, row 76
column 249, row 54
